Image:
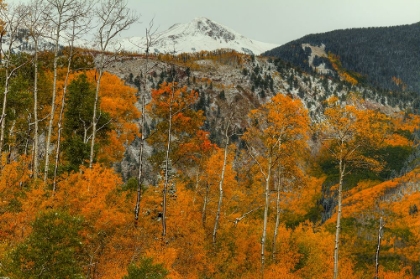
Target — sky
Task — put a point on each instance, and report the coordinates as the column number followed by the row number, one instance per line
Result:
column 276, row 21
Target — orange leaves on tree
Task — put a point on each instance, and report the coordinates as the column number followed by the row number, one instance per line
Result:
column 87, row 193
column 118, row 100
column 173, row 104
column 282, row 122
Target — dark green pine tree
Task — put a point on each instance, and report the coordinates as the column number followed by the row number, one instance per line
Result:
column 146, row 269
column 52, row 250
column 78, row 122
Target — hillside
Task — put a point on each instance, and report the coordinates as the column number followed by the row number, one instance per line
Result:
column 385, row 58
column 218, row 96
column 207, row 164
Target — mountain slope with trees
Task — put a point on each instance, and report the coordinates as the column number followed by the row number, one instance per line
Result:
column 386, row 58
column 200, row 165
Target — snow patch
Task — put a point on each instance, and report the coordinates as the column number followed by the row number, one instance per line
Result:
column 317, row 51
column 198, row 35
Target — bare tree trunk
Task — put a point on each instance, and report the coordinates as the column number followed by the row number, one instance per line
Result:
column 222, row 178
column 168, row 149
column 3, row 112
column 13, row 18
column 36, row 25
column 276, row 228
column 149, row 42
column 80, row 20
column 380, row 232
column 60, row 119
column 94, row 118
column 267, row 201
column 114, row 17
column 205, row 202
column 58, row 28
column 140, row 173
column 36, row 139
column 342, row 169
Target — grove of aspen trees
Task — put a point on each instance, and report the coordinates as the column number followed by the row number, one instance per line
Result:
column 246, row 206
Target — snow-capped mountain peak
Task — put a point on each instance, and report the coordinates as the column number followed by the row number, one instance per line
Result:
column 199, row 34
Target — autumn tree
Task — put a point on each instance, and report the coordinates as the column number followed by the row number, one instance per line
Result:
column 59, row 15
column 78, row 25
column 114, row 17
column 228, row 125
column 176, row 132
column 36, row 26
column 346, row 133
column 13, row 19
column 222, row 179
column 150, row 41
column 277, row 126
column 93, row 195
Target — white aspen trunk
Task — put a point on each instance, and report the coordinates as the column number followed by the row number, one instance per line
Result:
column 276, row 228
column 54, row 94
column 168, row 148
column 60, row 117
column 5, row 92
column 204, row 211
column 114, row 17
column 3, row 112
column 222, row 178
column 36, row 139
column 142, row 138
column 381, row 226
column 94, row 120
column 342, row 169
column 267, row 201
column 140, row 173
column 13, row 20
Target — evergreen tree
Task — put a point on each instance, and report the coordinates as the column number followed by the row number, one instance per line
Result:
column 146, row 269
column 52, row 250
column 78, row 122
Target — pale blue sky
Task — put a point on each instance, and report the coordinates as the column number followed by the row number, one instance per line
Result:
column 277, row 21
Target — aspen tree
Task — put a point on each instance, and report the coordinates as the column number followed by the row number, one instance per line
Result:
column 378, row 247
column 167, row 164
column 172, row 107
column 276, row 228
column 222, row 177
column 13, row 19
column 274, row 126
column 59, row 15
column 79, row 24
column 36, row 27
column 345, row 133
column 150, row 39
column 114, row 17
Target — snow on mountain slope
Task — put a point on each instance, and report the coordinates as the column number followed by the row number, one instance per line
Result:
column 199, row 34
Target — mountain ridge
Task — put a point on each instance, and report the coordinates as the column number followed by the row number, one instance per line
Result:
column 197, row 35
column 383, row 57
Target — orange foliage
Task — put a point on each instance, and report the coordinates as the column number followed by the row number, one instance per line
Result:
column 92, row 194
column 337, row 66
column 118, row 100
column 112, row 241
